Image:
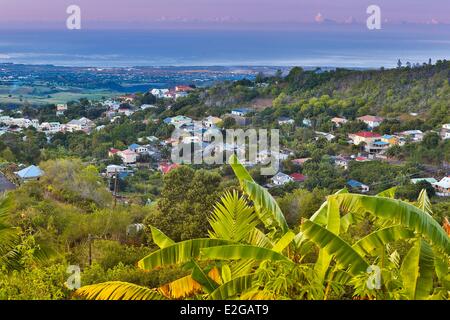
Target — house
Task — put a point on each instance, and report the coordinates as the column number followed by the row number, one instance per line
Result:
column 128, row 156
column 338, row 122
column 181, row 94
column 300, row 161
column 30, row 173
column 127, row 98
column 285, row 120
column 281, row 179
column 147, row 106
column 211, row 121
column 390, row 139
column 377, row 147
column 412, row 135
column 60, row 109
column 366, row 137
column 358, row 186
column 166, row 167
column 326, row 135
column 241, row 112
column 307, row 122
column 112, row 152
column 342, row 161
column 159, row 93
column 127, row 111
column 445, row 131
column 178, row 121
column 50, row 127
column 82, row 124
column 113, row 169
column 442, row 187
column 371, row 121
column 298, row 177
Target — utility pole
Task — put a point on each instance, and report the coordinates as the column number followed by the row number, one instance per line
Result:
column 90, row 249
column 115, row 189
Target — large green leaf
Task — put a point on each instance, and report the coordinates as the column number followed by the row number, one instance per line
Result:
column 232, row 288
column 267, row 208
column 378, row 239
column 232, row 218
column 345, row 255
column 178, row 253
column 424, row 203
column 389, row 193
column 201, row 277
column 239, row 170
column 241, row 251
column 333, row 225
column 417, row 271
column 116, row 290
column 258, row 238
column 284, row 242
column 160, row 239
column 399, row 212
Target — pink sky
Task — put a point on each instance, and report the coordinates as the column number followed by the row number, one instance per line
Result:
column 140, row 11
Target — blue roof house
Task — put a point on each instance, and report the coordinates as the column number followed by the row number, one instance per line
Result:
column 358, row 185
column 30, row 173
column 134, row 147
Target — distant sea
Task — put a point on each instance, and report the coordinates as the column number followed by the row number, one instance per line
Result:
column 324, row 46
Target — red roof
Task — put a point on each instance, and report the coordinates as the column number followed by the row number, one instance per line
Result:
column 166, row 168
column 298, row 177
column 113, row 151
column 368, row 134
column 361, row 159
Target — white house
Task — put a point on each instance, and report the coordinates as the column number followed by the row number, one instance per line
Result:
column 442, row 187
column 128, row 156
column 82, row 124
column 371, row 121
column 285, row 120
column 281, row 179
column 211, row 121
column 445, row 131
column 413, row 135
column 339, row 121
column 159, row 93
column 51, row 127
column 113, row 169
column 240, row 112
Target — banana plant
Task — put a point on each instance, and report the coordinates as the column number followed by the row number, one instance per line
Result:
column 252, row 254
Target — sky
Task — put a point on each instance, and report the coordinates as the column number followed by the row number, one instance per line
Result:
column 136, row 13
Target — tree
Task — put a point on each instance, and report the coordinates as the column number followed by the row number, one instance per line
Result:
column 239, row 260
column 430, row 140
column 399, row 64
column 186, row 200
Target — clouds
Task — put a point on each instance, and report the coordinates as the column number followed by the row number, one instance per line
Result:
column 225, row 10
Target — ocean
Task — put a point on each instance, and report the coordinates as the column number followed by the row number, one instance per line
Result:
column 331, row 46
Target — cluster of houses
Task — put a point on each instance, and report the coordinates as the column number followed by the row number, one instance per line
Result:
column 17, row 124
column 175, row 93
